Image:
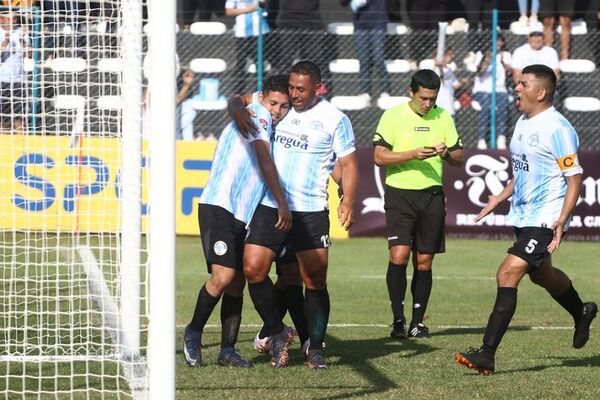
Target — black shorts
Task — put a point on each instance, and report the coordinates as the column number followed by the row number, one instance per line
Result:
column 532, row 245
column 222, row 237
column 310, row 230
column 416, row 218
column 555, row 8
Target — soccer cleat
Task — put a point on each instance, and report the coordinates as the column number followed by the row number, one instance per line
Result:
column 192, row 343
column 279, row 347
column 316, row 359
column 419, row 331
column 231, row 358
column 582, row 329
column 476, row 359
column 306, row 346
column 398, row 329
column 262, row 345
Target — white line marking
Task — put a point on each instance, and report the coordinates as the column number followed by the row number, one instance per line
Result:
column 350, row 325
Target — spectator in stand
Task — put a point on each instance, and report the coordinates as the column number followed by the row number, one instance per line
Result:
column 479, row 13
column 370, row 23
column 533, row 16
column 534, row 52
column 245, row 31
column 300, row 27
column 482, row 93
column 394, row 8
column 449, row 83
column 14, row 44
column 565, row 10
column 203, row 8
column 424, row 17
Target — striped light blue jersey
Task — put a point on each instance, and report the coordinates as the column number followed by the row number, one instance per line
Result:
column 235, row 181
column 544, row 152
column 306, row 146
column 246, row 25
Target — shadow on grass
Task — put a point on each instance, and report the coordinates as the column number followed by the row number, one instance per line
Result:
column 585, row 362
column 473, row 330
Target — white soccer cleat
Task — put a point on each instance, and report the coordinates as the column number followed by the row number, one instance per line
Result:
column 262, row 345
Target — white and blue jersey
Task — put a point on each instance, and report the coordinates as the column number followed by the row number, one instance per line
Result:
column 235, row 182
column 544, row 152
column 305, row 148
column 246, row 25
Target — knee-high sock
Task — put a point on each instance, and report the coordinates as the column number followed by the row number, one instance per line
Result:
column 205, row 304
column 231, row 318
column 396, row 284
column 281, row 307
column 316, row 307
column 504, row 308
column 264, row 303
column 422, row 291
column 571, row 302
column 295, row 305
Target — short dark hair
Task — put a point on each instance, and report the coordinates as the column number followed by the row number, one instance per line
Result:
column 307, row 67
column 425, row 78
column 544, row 73
column 275, row 83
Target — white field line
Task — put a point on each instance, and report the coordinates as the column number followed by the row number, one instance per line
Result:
column 351, row 325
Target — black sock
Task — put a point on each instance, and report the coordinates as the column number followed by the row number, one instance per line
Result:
column 316, row 308
column 413, row 282
column 231, row 318
column 295, row 304
column 396, row 284
column 281, row 306
column 571, row 302
column 504, row 308
column 262, row 297
column 422, row 291
column 204, row 307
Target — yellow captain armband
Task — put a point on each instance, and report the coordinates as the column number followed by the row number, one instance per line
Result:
column 568, row 162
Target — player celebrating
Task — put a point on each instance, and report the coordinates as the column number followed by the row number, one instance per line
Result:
column 241, row 167
column 307, row 144
column 544, row 189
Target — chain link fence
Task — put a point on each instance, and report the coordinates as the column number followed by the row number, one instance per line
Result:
column 334, row 49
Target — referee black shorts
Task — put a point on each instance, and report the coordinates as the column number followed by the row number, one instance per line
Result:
column 532, row 245
column 416, row 218
column 222, row 237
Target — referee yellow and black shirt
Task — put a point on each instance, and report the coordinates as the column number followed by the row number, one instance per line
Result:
column 402, row 129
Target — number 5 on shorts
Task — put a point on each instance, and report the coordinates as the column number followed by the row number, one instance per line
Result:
column 531, row 246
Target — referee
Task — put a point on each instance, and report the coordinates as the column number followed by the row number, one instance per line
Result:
column 414, row 140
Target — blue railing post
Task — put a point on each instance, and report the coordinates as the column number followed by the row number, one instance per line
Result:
column 494, row 67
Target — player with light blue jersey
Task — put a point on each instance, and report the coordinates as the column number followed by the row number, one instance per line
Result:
column 545, row 187
column 235, row 182
column 241, row 167
column 306, row 146
column 543, row 150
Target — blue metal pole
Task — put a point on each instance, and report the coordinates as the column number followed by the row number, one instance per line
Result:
column 494, row 57
column 259, row 50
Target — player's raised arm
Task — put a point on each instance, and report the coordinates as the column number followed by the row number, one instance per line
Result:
column 236, row 107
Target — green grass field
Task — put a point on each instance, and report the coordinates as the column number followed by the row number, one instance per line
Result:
column 535, row 359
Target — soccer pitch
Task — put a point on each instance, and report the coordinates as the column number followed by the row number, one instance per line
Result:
column 535, row 359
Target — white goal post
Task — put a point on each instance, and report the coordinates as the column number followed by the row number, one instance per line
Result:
column 87, row 231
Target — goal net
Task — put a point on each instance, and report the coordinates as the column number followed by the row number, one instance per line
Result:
column 73, row 203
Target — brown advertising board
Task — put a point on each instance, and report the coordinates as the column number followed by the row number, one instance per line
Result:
column 485, row 172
